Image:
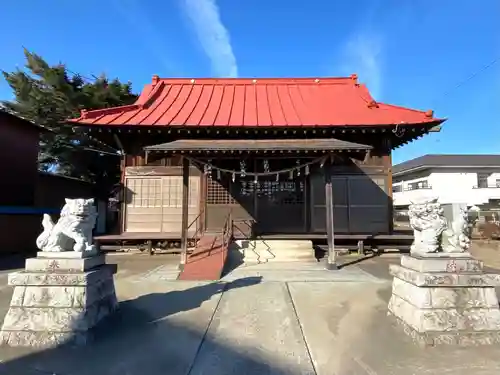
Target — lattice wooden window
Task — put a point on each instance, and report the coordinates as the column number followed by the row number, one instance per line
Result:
column 172, row 191
column 145, row 192
column 217, row 193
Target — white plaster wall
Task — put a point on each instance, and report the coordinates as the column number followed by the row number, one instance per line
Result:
column 493, row 179
column 450, row 187
column 404, row 197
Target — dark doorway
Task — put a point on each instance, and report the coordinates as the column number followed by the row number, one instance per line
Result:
column 280, row 206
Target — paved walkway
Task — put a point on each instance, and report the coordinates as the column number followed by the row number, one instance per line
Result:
column 255, row 324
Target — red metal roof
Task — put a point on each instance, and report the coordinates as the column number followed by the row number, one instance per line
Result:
column 255, row 102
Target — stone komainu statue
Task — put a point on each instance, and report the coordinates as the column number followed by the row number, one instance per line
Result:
column 428, row 223
column 433, row 232
column 73, row 230
column 456, row 237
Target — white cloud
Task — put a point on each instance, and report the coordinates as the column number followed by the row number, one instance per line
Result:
column 362, row 56
column 212, row 35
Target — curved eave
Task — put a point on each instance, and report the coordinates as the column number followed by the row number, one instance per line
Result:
column 435, row 122
column 402, row 139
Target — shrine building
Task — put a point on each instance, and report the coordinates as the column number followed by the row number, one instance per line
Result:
column 275, row 158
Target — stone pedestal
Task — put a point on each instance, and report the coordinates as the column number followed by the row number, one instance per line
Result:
column 58, row 298
column 446, row 299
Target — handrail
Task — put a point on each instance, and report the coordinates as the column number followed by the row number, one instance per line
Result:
column 227, row 230
column 225, row 236
column 196, row 221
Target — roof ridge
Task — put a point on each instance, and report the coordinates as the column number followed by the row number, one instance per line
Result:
column 143, row 102
column 472, row 155
column 401, row 107
column 254, row 80
column 94, row 113
column 152, row 96
column 362, row 90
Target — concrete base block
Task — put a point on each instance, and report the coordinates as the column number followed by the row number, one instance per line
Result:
column 427, row 339
column 441, row 264
column 455, row 319
column 63, row 264
column 443, row 300
column 55, row 305
column 66, row 254
column 332, row 266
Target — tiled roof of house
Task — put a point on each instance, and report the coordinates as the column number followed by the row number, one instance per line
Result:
column 443, row 161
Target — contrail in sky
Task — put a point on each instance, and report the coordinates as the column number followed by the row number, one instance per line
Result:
column 212, row 35
column 362, row 54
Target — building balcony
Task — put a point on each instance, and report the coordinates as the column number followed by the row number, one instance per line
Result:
column 406, row 196
column 494, row 186
column 471, row 195
column 487, row 192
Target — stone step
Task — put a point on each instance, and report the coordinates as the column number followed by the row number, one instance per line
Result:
column 277, row 244
column 263, row 251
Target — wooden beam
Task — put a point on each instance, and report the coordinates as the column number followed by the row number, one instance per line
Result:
column 332, row 261
column 185, row 211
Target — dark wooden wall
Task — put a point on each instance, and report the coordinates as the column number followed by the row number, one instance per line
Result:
column 25, row 192
column 19, row 229
column 52, row 189
column 19, row 141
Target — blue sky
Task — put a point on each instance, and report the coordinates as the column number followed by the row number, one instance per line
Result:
column 409, row 52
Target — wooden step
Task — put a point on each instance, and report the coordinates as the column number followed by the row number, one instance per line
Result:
column 207, row 260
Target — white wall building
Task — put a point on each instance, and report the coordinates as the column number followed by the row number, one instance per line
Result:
column 471, row 179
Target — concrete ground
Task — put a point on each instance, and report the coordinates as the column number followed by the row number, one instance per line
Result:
column 272, row 319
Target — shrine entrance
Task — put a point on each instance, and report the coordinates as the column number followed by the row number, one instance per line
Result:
column 275, row 206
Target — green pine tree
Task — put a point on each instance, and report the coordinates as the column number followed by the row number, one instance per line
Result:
column 48, row 95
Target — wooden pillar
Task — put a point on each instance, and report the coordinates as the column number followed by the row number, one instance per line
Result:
column 361, row 247
column 150, row 247
column 124, row 162
column 390, row 201
column 185, row 211
column 332, row 261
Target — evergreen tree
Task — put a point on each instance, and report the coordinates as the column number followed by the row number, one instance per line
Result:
column 48, row 95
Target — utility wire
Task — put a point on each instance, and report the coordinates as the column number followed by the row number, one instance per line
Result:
column 469, row 78
column 461, row 83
